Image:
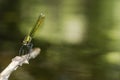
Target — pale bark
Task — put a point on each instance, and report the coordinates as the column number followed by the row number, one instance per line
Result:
column 18, row 61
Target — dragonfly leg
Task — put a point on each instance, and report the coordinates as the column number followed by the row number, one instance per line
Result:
column 29, row 49
column 25, row 49
column 21, row 51
column 30, row 46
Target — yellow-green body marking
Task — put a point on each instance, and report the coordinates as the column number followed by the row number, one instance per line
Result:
column 39, row 22
column 26, row 44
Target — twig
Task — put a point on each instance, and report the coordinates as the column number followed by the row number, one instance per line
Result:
column 18, row 61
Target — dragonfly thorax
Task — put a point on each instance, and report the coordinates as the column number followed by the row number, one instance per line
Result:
column 27, row 40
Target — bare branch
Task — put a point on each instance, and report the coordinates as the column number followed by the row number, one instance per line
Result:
column 18, row 61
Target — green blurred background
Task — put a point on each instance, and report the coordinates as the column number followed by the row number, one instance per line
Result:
column 80, row 39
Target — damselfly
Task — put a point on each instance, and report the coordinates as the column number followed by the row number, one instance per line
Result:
column 27, row 44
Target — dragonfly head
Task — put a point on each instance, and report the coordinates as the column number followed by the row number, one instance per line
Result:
column 27, row 40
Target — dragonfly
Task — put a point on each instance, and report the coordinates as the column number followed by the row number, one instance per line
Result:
column 27, row 45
